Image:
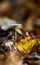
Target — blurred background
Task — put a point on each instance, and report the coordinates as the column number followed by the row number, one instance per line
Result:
column 26, row 12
